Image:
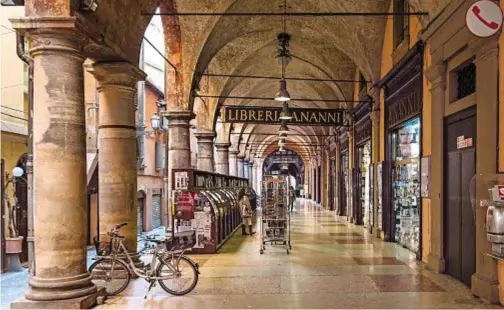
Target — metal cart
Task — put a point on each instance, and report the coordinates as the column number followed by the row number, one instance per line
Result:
column 275, row 216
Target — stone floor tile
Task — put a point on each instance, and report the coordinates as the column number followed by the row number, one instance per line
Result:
column 405, row 283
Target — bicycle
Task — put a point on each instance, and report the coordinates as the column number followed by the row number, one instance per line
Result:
column 169, row 266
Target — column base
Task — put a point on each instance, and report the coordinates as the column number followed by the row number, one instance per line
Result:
column 85, row 302
column 485, row 289
column 435, row 263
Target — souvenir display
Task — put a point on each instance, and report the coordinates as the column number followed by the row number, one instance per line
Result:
column 406, row 185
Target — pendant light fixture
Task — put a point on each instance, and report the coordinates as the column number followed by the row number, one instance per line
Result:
column 283, row 128
column 286, row 114
column 284, row 57
column 281, row 149
column 281, row 142
column 282, row 135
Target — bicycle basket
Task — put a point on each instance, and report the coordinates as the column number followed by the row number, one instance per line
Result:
column 105, row 247
column 181, row 241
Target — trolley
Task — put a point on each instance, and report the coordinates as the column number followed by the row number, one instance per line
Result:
column 275, row 215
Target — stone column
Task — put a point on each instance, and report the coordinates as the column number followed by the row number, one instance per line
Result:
column 222, row 160
column 254, row 176
column 375, row 153
column 205, row 150
column 60, row 277
column 250, row 164
column 233, row 162
column 245, row 168
column 179, row 148
column 241, row 169
column 117, row 169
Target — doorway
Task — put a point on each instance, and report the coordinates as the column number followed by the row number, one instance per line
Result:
column 141, row 210
column 460, row 167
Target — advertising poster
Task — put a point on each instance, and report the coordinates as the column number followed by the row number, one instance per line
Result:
column 184, row 203
column 181, row 180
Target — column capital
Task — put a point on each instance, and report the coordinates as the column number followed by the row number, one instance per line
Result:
column 240, row 157
column 204, row 136
column 183, row 115
column 121, row 73
column 234, row 152
column 222, row 146
column 52, row 35
column 436, row 74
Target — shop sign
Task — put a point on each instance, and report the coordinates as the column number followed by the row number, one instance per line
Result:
column 271, row 115
column 404, row 109
column 363, row 131
column 484, row 18
column 463, row 142
column 498, row 193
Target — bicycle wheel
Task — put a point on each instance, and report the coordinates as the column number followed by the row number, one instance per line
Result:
column 182, row 277
column 111, row 274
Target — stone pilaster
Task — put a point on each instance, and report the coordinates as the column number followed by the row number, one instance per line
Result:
column 240, row 159
column 233, row 162
column 179, row 147
column 60, row 278
column 245, row 168
column 249, row 165
column 222, row 160
column 484, row 281
column 117, row 169
column 205, row 150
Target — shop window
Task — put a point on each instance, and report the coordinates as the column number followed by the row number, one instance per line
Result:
column 466, row 80
column 401, row 22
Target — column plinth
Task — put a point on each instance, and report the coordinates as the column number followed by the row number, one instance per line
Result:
column 205, row 150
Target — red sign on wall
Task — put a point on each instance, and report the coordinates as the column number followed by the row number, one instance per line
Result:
column 184, row 203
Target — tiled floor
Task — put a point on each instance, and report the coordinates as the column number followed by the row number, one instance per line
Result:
column 332, row 265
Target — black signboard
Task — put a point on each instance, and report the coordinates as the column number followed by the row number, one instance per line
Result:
column 271, row 115
column 196, row 179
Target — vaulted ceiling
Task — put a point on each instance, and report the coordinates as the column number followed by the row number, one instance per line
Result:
column 323, row 47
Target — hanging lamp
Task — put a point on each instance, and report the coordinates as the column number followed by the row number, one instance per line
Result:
column 286, row 114
column 283, row 128
column 284, row 57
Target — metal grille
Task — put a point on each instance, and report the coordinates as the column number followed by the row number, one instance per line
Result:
column 156, row 211
column 466, row 81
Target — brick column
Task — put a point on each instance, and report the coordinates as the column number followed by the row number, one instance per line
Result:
column 117, row 169
column 60, row 277
column 205, row 150
column 222, row 160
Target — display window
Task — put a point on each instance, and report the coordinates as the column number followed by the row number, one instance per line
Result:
column 406, row 184
column 345, row 183
column 364, row 179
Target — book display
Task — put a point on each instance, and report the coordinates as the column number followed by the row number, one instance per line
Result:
column 379, row 189
column 346, row 180
column 406, row 185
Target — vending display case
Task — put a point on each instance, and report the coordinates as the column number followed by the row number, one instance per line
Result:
column 208, row 204
column 406, row 184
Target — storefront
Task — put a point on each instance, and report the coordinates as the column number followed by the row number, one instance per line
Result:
column 363, row 180
column 344, row 175
column 401, row 170
column 332, row 176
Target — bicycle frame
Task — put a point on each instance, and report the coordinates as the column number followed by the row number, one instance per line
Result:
column 155, row 257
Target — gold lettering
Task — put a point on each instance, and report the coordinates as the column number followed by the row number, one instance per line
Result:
column 229, row 115
column 268, row 116
column 295, row 117
column 243, row 115
column 304, row 117
column 252, row 115
column 331, row 117
column 276, row 116
column 313, row 118
column 260, row 115
column 322, row 116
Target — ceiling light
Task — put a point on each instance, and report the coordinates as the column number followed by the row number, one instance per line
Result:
column 283, row 129
column 283, row 94
column 281, row 142
column 282, row 135
column 286, row 114
column 281, row 149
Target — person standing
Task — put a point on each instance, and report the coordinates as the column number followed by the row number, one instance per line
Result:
column 246, row 213
column 292, row 197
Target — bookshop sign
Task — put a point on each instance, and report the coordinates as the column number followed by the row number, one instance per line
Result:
column 271, row 115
